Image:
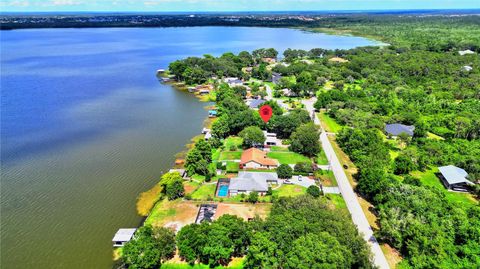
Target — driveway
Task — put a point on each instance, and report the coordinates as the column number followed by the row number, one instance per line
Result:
column 349, row 196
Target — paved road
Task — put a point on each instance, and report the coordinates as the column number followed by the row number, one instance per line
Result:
column 349, row 196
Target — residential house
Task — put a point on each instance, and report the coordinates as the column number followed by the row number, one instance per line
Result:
column 233, row 82
column 270, row 139
column 254, row 158
column 123, row 236
column 248, row 182
column 454, row 178
column 397, row 128
column 255, row 103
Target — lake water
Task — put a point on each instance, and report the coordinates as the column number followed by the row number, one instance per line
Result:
column 86, row 127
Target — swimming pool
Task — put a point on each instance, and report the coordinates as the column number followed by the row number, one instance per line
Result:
column 222, row 191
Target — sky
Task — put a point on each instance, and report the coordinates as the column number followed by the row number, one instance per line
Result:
column 229, row 5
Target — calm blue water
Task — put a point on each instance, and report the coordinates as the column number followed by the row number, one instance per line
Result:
column 223, row 191
column 85, row 127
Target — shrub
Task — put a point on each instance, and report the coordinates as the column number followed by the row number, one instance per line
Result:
column 314, row 191
column 284, row 171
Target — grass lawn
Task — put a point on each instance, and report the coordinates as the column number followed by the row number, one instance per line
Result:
column 289, row 191
column 198, row 177
column 328, row 179
column 337, row 200
column 428, row 178
column 277, row 148
column 232, row 141
column 288, row 157
column 322, row 158
column 230, row 155
column 204, row 192
column 172, row 213
column 232, row 167
column 434, row 136
column 329, row 124
column 216, row 154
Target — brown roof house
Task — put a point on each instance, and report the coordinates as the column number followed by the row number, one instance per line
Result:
column 254, row 158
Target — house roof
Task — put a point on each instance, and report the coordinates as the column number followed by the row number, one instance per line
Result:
column 252, row 181
column 396, row 129
column 258, row 156
column 124, row 235
column 454, row 175
column 256, row 102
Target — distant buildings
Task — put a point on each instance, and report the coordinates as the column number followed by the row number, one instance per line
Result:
column 454, row 178
column 254, row 158
column 396, row 129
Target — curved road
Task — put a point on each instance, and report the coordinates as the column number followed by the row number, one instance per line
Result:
column 349, row 196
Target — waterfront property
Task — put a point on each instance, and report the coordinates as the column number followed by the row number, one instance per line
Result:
column 247, row 182
column 396, row 129
column 123, row 236
column 254, row 158
column 454, row 178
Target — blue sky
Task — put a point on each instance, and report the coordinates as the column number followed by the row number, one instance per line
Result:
column 230, row 5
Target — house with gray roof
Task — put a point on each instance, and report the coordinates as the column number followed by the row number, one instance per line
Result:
column 255, row 103
column 396, row 129
column 248, row 182
column 455, row 178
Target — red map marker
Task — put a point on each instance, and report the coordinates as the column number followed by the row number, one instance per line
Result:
column 265, row 112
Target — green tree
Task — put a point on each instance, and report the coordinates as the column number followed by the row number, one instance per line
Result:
column 314, row 191
column 191, row 161
column 175, row 190
column 284, row 171
column 305, row 252
column 252, row 136
column 149, row 247
column 253, row 197
column 403, row 164
column 220, row 127
column 305, row 140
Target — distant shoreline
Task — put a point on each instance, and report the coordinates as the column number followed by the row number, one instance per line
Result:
column 313, row 19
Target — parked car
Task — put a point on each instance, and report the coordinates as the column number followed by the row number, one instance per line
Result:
column 300, row 178
column 286, row 181
column 345, row 166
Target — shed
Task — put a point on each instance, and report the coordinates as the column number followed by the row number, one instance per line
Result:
column 123, row 236
column 397, row 128
column 454, row 178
